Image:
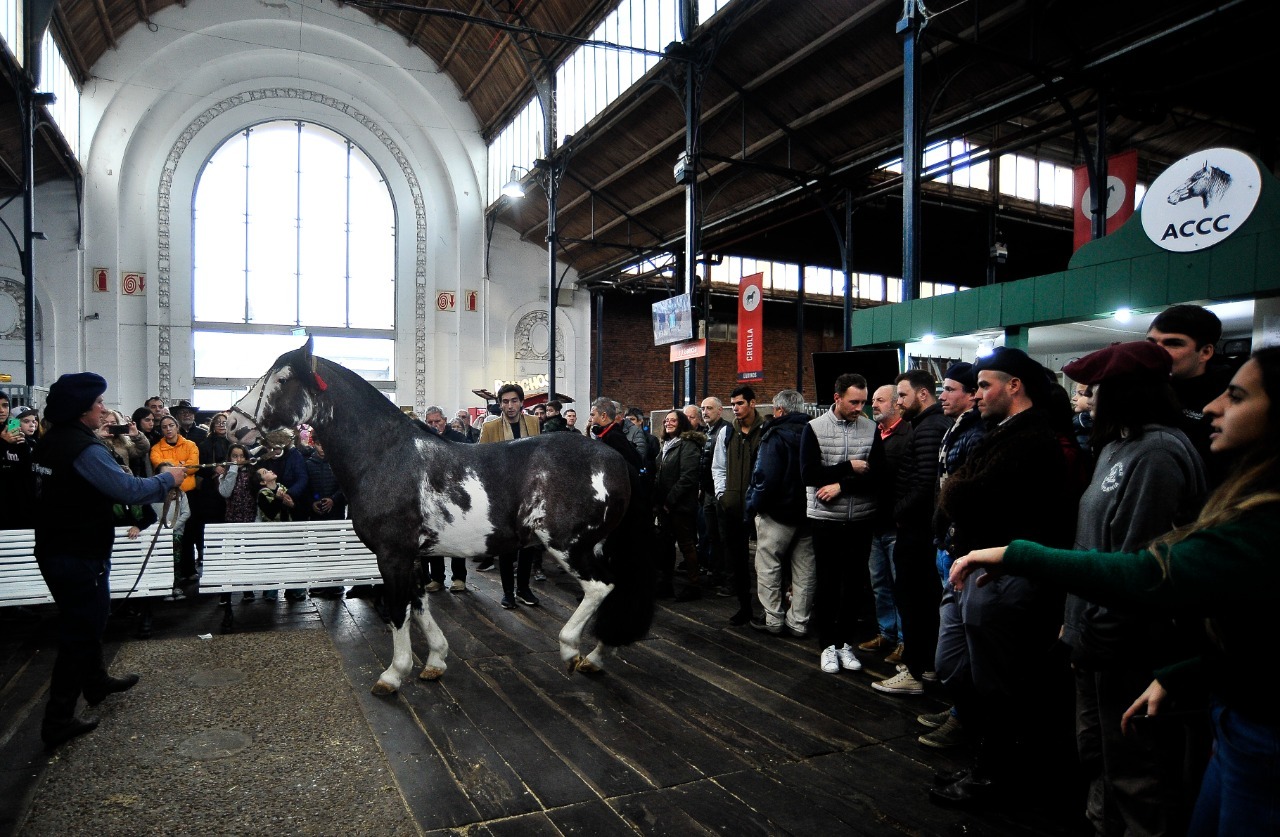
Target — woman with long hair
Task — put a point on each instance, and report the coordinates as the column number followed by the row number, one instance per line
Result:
column 1223, row 568
column 675, row 503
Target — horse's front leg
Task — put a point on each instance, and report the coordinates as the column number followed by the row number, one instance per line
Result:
column 593, row 593
column 437, row 645
column 401, row 658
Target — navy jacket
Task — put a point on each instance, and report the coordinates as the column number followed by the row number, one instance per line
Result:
column 776, row 486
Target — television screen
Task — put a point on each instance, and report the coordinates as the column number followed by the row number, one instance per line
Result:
column 672, row 320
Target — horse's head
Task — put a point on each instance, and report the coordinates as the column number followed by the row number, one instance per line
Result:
column 283, row 398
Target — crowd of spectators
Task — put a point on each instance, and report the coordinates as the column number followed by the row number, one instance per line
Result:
column 992, row 536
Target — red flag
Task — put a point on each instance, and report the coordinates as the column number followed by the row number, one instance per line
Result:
column 1122, row 181
column 751, row 328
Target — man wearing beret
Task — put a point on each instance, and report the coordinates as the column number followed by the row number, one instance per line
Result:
column 995, row 643
column 77, row 483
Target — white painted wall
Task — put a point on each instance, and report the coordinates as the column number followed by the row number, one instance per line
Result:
column 163, row 101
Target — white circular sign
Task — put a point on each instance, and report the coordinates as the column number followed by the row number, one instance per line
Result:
column 1201, row 199
column 751, row 297
column 1115, row 198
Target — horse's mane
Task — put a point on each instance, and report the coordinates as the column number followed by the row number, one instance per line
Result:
column 327, row 371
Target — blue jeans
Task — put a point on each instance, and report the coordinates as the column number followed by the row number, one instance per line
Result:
column 944, row 562
column 1238, row 795
column 880, row 565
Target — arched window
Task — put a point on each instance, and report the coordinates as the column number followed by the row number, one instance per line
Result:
column 293, row 231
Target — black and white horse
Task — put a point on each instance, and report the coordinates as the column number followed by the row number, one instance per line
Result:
column 411, row 493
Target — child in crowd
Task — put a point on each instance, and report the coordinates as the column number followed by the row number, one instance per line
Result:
column 235, row 485
column 274, row 505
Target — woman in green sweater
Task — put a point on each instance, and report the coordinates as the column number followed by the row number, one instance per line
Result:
column 1222, row 567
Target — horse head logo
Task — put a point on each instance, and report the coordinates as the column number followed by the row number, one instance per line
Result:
column 1208, row 184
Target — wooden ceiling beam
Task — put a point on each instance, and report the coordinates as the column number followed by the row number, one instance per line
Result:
column 70, row 44
column 54, row 141
column 676, row 138
column 456, row 44
column 105, row 22
column 412, row 39
column 503, row 44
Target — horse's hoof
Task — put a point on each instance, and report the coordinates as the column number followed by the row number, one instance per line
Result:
column 430, row 673
column 383, row 688
column 584, row 666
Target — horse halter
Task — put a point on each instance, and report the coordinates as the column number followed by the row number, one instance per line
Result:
column 261, row 386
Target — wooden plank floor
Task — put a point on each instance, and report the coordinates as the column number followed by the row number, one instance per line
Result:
column 699, row 728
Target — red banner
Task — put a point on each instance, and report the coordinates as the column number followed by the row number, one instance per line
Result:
column 1122, row 182
column 751, row 328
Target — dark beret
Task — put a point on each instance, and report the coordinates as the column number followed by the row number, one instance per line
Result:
column 71, row 396
column 1018, row 364
column 963, row 374
column 1136, row 358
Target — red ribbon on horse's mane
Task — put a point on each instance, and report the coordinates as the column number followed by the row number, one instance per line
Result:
column 320, row 382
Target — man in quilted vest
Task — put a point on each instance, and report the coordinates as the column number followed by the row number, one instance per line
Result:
column 841, row 455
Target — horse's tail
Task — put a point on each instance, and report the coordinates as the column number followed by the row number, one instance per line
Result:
column 627, row 612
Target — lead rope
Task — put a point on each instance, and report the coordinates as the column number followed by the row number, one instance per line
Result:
column 169, row 499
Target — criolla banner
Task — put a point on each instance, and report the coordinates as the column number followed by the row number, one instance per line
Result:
column 751, row 328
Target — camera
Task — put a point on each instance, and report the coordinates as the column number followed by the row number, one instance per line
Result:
column 118, row 429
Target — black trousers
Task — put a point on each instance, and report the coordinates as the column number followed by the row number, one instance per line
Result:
column 735, row 532
column 917, row 591
column 81, row 589
column 840, row 553
column 514, row 567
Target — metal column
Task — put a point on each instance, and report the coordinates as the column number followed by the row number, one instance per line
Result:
column 909, row 27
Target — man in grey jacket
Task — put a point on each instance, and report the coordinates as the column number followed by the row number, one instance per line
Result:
column 840, row 456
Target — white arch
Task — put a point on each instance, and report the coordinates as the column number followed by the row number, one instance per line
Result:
column 178, row 159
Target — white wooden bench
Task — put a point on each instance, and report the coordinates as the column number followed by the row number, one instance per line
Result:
column 22, row 584
column 267, row 556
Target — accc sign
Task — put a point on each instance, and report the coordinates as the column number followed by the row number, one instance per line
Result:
column 1201, row 199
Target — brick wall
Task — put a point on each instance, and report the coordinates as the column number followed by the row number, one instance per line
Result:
column 639, row 374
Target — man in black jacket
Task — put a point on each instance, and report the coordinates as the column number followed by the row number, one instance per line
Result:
column 995, row 657
column 77, row 484
column 776, row 499
column 916, row 588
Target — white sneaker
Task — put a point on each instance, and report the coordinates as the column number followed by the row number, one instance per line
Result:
column 830, row 660
column 848, row 661
column 901, row 683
